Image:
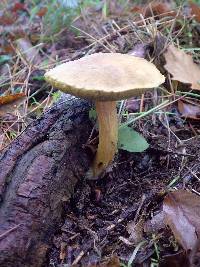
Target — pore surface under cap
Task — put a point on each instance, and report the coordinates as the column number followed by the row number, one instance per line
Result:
column 105, row 76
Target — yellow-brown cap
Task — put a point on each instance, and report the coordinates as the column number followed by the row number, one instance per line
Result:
column 105, row 76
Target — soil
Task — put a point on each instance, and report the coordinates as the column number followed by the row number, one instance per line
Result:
column 132, row 190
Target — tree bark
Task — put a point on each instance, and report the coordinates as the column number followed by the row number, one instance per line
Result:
column 38, row 172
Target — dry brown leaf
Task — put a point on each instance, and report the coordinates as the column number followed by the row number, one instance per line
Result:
column 155, row 224
column 15, row 30
column 188, row 110
column 42, row 12
column 137, row 9
column 7, row 19
column 136, row 231
column 155, row 8
column 7, row 99
column 182, row 214
column 182, row 67
column 112, row 262
column 179, row 259
column 139, row 50
column 8, row 14
column 133, row 104
column 18, row 7
column 195, row 10
column 28, row 52
column 9, row 103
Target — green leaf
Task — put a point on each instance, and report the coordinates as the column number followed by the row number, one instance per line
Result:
column 92, row 114
column 38, row 78
column 131, row 140
column 56, row 95
column 105, row 9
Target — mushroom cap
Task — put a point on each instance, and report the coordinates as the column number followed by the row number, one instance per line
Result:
column 105, row 76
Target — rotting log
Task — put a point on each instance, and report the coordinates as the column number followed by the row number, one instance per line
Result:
column 38, row 171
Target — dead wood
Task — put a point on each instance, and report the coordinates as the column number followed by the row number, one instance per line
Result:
column 38, row 172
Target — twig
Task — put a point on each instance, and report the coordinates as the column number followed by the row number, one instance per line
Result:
column 9, row 231
column 78, row 258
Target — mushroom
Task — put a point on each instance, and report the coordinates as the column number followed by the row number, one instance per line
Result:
column 105, row 78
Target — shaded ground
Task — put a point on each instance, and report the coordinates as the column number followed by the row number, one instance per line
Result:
column 132, row 191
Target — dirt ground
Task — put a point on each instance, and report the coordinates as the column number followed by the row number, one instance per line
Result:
column 97, row 219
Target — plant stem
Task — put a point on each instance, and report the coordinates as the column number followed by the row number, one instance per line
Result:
column 108, row 135
column 143, row 114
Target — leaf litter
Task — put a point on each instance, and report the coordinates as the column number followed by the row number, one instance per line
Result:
column 182, row 214
column 189, row 110
column 182, row 67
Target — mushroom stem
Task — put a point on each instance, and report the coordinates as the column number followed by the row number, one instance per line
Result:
column 108, row 135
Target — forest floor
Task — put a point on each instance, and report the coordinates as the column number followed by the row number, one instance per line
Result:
column 133, row 215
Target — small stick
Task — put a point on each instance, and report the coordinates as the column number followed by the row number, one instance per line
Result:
column 78, row 258
column 9, row 231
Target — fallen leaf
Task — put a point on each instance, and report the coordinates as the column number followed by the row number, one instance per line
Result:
column 7, row 48
column 8, row 14
column 7, row 19
column 188, row 110
column 179, row 259
column 136, row 231
column 139, row 50
column 18, row 7
column 195, row 10
column 6, row 99
column 155, row 224
column 182, row 67
column 112, row 262
column 29, row 52
column 133, row 104
column 42, row 12
column 9, row 103
column 155, row 8
column 18, row 30
column 137, row 9
column 131, row 140
column 182, row 214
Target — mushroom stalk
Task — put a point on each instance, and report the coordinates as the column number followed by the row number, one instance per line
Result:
column 108, row 135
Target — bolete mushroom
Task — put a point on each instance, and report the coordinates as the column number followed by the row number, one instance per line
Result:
column 105, row 78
